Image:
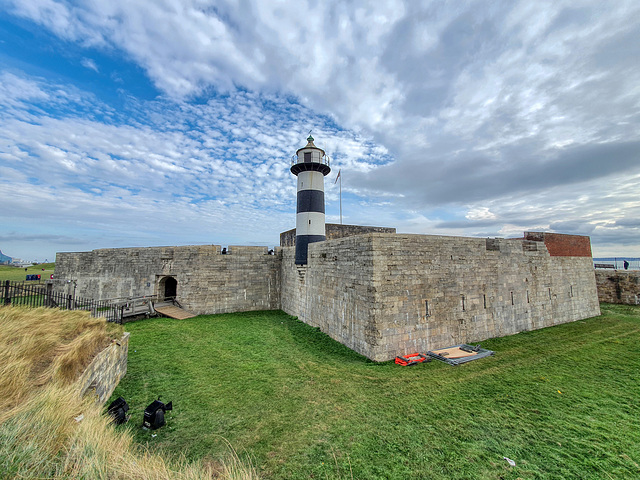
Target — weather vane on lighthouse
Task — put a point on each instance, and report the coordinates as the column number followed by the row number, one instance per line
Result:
column 310, row 164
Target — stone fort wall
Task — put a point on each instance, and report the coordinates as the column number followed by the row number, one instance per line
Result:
column 247, row 278
column 333, row 231
column 385, row 295
column 334, row 291
column 619, row 286
column 381, row 294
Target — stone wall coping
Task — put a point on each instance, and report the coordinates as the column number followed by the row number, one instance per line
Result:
column 609, row 272
column 218, row 248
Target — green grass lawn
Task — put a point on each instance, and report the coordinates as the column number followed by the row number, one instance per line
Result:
column 562, row 402
column 16, row 274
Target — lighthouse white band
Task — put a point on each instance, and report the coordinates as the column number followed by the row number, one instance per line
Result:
column 311, row 181
column 310, row 223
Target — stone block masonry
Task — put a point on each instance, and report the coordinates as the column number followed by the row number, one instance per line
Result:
column 246, row 278
column 334, row 291
column 379, row 293
column 104, row 372
column 333, row 231
column 385, row 295
column 616, row 286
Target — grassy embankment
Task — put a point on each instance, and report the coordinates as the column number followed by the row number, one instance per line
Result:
column 562, row 402
column 42, row 352
column 16, row 274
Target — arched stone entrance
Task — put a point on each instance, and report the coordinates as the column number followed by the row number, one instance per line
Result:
column 168, row 288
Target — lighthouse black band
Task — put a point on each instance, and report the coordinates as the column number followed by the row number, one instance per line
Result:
column 310, row 167
column 302, row 246
column 310, row 201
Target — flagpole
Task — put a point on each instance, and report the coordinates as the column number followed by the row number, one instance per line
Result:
column 340, row 199
column 339, row 177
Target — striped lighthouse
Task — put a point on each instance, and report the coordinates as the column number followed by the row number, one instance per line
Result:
column 310, row 165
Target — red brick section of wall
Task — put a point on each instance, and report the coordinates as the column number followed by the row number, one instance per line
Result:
column 561, row 245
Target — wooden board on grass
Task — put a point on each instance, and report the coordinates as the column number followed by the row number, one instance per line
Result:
column 454, row 352
column 172, row 311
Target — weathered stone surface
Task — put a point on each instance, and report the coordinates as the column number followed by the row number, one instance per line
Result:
column 333, row 291
column 381, row 294
column 372, row 292
column 618, row 286
column 104, row 372
column 333, row 231
column 247, row 278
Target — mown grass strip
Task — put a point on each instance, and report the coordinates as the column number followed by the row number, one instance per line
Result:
column 19, row 274
column 562, row 402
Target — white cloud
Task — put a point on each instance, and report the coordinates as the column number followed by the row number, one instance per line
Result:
column 90, row 64
column 503, row 112
column 213, row 172
column 480, row 213
column 15, row 89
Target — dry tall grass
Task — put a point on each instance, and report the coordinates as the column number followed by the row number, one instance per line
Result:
column 44, row 345
column 42, row 352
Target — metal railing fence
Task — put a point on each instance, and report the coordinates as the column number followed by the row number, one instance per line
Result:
column 43, row 295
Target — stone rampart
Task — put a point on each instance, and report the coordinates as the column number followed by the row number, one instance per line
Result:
column 334, row 290
column 246, row 278
column 619, row 286
column 333, row 231
column 104, row 372
column 381, row 294
column 385, row 295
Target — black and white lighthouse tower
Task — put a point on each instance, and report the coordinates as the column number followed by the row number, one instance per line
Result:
column 310, row 164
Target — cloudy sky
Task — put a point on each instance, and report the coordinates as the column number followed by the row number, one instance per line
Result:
column 172, row 122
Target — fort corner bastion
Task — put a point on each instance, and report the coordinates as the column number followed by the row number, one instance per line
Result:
column 379, row 293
